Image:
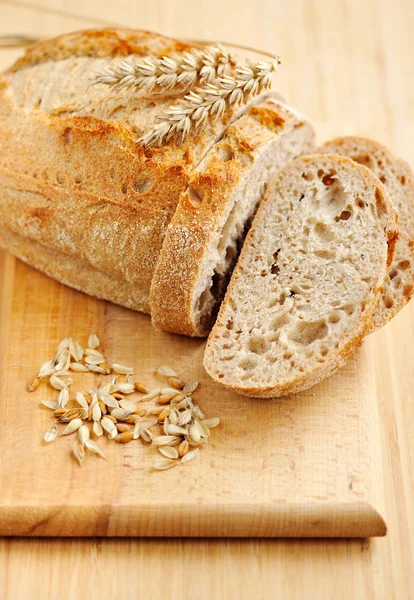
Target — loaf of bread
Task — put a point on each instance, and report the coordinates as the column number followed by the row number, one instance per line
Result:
column 80, row 198
column 398, row 178
column 308, row 280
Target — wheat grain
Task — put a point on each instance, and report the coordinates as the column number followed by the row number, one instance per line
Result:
column 122, row 427
column 63, row 397
column 51, row 434
column 33, row 384
column 190, row 455
column 168, row 451
column 83, row 433
column 165, row 371
column 140, row 387
column 79, row 452
column 176, row 430
column 164, row 463
column 72, row 427
column 50, row 404
column 183, row 448
column 97, row 429
column 93, row 341
column 120, row 413
column 93, row 447
column 176, row 383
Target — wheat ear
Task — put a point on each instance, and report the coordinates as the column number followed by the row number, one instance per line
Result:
column 186, row 70
column 211, row 101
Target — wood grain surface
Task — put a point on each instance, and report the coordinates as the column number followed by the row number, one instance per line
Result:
column 347, row 64
column 307, row 466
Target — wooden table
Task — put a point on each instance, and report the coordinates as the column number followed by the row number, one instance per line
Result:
column 348, row 65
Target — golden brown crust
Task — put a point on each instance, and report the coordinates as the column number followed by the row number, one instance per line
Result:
column 74, row 179
column 104, row 43
column 74, row 272
column 200, row 209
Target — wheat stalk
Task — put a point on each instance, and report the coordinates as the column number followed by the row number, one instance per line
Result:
column 211, row 101
column 186, row 70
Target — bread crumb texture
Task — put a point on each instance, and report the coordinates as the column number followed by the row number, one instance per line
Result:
column 398, row 178
column 308, row 279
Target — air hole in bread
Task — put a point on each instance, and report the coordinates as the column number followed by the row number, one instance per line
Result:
column 393, row 274
column 307, row 332
column 388, row 302
column 68, row 136
column 225, row 152
column 328, row 180
column 143, row 185
column 274, row 268
column 381, row 204
column 320, row 172
column 334, row 317
column 220, row 375
column 383, row 179
column 258, row 345
column 360, row 203
column 248, row 364
column 195, row 196
column 124, row 188
column 402, row 180
column 78, row 178
column 229, row 324
column 307, row 176
column 287, row 355
column 362, row 159
column 60, row 178
column 403, row 265
column 323, row 350
column 227, row 346
column 408, row 290
column 345, row 215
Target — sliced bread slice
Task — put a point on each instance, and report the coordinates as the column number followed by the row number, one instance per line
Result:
column 398, row 178
column 308, row 279
column 212, row 217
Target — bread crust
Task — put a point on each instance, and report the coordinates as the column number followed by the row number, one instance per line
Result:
column 74, row 179
column 312, row 376
column 202, row 205
column 378, row 158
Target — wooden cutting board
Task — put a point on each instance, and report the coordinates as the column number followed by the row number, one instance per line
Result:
column 308, row 465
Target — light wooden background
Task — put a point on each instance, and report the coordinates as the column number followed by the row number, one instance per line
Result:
column 348, row 64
